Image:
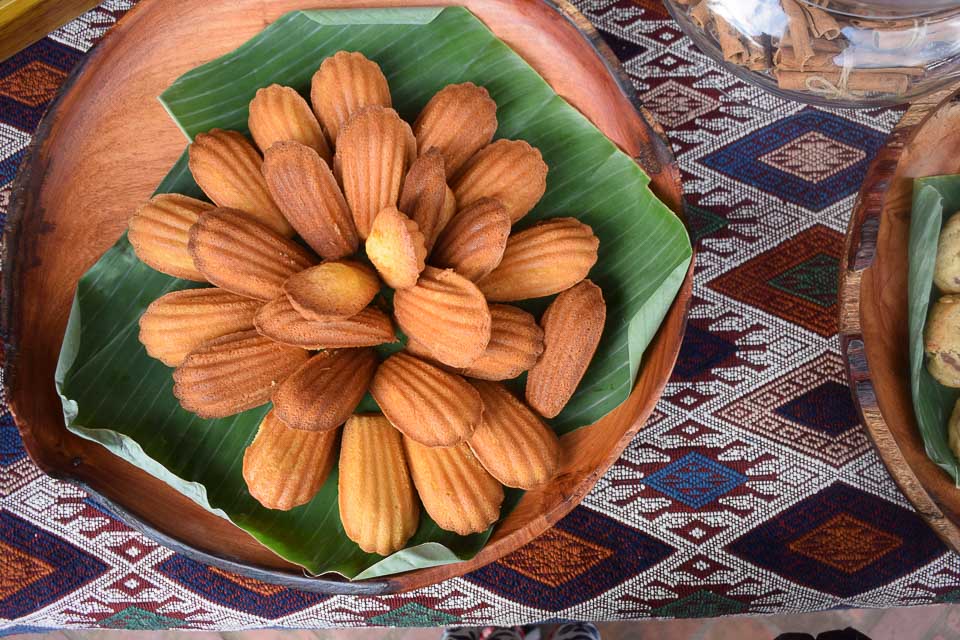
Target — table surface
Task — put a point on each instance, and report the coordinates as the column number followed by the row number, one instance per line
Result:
column 752, row 489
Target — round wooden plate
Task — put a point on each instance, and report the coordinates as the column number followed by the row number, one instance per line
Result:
column 103, row 148
column 873, row 304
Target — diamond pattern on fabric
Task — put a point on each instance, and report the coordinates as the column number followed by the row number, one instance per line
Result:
column 695, row 480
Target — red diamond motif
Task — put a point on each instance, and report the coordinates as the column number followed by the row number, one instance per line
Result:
column 697, row 531
column 131, row 584
column 701, row 567
column 133, row 549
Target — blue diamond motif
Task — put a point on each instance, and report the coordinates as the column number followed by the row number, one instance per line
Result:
column 695, row 480
column 744, row 160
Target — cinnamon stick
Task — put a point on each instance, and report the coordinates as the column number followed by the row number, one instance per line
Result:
column 858, row 81
column 821, row 23
column 798, row 29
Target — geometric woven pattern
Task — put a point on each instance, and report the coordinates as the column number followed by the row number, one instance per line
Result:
column 752, row 488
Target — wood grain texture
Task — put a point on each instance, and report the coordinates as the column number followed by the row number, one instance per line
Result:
column 23, row 22
column 82, row 160
column 873, row 304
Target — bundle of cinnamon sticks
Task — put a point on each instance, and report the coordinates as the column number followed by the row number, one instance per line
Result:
column 819, row 52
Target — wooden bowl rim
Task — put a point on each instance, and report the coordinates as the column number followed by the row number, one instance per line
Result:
column 859, row 254
column 657, row 150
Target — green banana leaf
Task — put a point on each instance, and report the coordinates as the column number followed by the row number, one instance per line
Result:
column 115, row 394
column 932, row 402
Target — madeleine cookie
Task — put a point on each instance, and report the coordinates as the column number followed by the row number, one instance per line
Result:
column 159, row 231
column 279, row 321
column 396, row 248
column 510, row 171
column 474, row 241
column 279, row 114
column 516, row 342
column 345, row 83
column 458, row 121
column 424, row 196
column 339, row 288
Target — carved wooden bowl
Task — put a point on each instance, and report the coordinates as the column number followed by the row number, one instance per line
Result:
column 88, row 168
column 873, row 304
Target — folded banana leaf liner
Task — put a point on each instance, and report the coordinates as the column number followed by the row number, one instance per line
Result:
column 115, row 394
column 934, row 200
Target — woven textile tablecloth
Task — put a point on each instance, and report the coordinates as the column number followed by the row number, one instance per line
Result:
column 752, row 489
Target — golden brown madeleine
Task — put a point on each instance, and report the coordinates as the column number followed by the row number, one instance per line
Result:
column 322, row 393
column 233, row 373
column 572, row 326
column 159, row 231
column 447, row 314
column 424, row 196
column 378, row 505
column 337, row 288
column 396, row 248
column 454, row 488
column 459, row 120
column 516, row 342
column 227, row 168
column 345, row 83
column 279, row 321
column 241, row 255
column 512, row 442
column 304, row 188
column 178, row 322
column 511, row 171
column 547, row 258
column 942, row 340
column 280, row 113
column 283, row 467
column 372, row 150
column 435, row 408
column 474, row 241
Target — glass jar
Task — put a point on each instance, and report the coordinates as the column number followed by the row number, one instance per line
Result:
column 845, row 53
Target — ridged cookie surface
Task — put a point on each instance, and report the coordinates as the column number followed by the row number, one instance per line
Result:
column 512, row 442
column 279, row 114
column 304, row 188
column 510, row 171
column 233, row 373
column 516, row 342
column 279, row 321
column 396, row 248
column 572, row 326
column 454, row 488
column 241, row 255
column 424, row 196
column 433, row 407
column 336, row 288
column 283, row 467
column 227, row 167
column 345, row 83
column 547, row 258
column 324, row 391
column 446, row 313
column 378, row 505
column 178, row 322
column 459, row 120
column 159, row 231
column 474, row 241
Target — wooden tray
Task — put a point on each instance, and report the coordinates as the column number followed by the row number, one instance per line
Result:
column 873, row 304
column 103, row 148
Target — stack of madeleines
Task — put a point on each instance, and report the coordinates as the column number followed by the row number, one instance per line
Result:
column 425, row 210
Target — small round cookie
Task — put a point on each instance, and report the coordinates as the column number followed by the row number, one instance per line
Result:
column 942, row 340
column 953, row 430
column 946, row 270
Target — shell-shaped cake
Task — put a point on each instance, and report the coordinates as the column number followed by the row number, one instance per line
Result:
column 516, row 342
column 177, row 323
column 572, row 326
column 227, row 167
column 340, row 288
column 233, row 373
column 456, row 491
column 159, row 231
column 372, row 153
column 547, row 258
column 447, row 314
column 474, row 241
column 304, row 188
column 322, row 393
column 512, row 442
column 283, row 467
column 396, row 248
column 458, row 121
column 511, row 171
column 241, row 255
column 424, row 196
column 279, row 321
column 345, row 83
column 279, row 114
column 378, row 504
column 427, row 404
